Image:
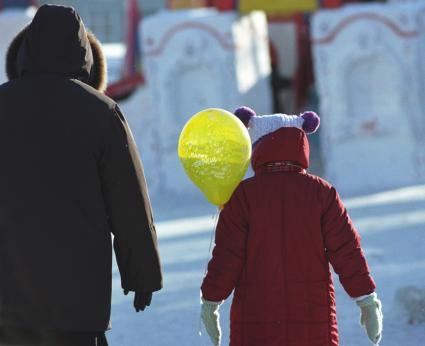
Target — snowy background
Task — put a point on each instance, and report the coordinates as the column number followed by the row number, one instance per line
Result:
column 391, row 223
column 392, row 226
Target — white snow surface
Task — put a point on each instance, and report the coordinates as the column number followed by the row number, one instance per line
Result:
column 391, row 223
column 392, row 226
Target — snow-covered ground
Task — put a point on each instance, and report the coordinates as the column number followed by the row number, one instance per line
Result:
column 392, row 225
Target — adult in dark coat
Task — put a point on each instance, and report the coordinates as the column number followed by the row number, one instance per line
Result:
column 70, row 176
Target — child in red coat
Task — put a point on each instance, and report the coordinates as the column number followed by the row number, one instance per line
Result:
column 275, row 241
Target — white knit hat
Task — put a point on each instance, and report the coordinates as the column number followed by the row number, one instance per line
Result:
column 260, row 126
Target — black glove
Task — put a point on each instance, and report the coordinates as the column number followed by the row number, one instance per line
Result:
column 141, row 300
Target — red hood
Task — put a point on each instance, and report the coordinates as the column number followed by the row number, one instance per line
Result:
column 285, row 144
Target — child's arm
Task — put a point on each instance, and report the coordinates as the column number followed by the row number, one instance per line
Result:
column 229, row 252
column 227, row 262
column 343, row 248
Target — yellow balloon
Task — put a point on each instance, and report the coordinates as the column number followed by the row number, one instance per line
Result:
column 215, row 151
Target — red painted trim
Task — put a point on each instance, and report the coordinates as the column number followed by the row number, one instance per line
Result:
column 282, row 18
column 331, row 3
column 190, row 25
column 368, row 16
column 222, row 5
column 124, row 86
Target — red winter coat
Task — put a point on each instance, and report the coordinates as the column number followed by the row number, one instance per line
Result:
column 274, row 242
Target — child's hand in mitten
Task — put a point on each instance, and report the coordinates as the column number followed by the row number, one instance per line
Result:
column 371, row 317
column 211, row 318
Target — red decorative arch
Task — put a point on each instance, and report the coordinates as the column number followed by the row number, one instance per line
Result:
column 190, row 25
column 393, row 26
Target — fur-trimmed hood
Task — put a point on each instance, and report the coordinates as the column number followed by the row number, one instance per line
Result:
column 56, row 42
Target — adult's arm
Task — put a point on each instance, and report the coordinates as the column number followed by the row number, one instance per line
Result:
column 129, row 208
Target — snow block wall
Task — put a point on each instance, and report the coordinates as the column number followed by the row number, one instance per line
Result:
column 196, row 59
column 11, row 22
column 370, row 82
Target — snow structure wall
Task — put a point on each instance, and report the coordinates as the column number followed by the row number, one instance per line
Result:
column 11, row 22
column 194, row 59
column 370, row 81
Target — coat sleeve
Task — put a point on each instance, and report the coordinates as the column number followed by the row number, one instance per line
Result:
column 228, row 257
column 343, row 249
column 128, row 208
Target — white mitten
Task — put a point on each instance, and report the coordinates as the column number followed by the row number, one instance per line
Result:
column 211, row 318
column 371, row 317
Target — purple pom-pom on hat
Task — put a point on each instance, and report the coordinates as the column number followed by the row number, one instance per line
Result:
column 311, row 121
column 244, row 114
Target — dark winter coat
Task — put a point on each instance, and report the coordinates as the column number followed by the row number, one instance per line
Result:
column 275, row 240
column 70, row 176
